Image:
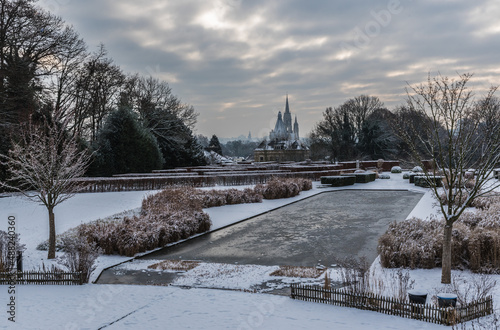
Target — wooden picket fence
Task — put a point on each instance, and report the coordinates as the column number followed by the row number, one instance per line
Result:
column 41, row 278
column 392, row 306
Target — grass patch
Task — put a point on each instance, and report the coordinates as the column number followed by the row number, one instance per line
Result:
column 180, row 265
column 298, row 271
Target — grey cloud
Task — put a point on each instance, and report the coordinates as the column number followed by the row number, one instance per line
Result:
column 242, row 65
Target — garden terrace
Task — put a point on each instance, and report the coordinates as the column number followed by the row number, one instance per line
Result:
column 151, row 175
column 310, row 168
column 209, row 176
column 173, row 170
column 155, row 183
column 386, row 166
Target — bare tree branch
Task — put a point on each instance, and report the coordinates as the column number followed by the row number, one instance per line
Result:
column 462, row 134
column 43, row 163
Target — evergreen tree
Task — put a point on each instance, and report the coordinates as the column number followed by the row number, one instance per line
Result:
column 177, row 142
column 125, row 146
column 378, row 139
column 180, row 147
column 214, row 145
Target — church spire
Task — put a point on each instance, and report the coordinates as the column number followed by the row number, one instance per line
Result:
column 287, row 108
column 287, row 118
column 296, row 129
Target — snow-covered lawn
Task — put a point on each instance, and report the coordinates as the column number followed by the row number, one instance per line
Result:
column 93, row 306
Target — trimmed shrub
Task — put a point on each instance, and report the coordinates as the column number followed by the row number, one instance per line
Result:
column 166, row 217
column 282, row 188
column 384, row 176
column 413, row 175
column 364, row 177
column 396, row 169
column 339, row 181
column 459, row 200
column 426, row 182
column 213, row 198
column 406, row 175
column 417, row 169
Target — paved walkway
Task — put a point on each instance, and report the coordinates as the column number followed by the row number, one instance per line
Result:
column 317, row 230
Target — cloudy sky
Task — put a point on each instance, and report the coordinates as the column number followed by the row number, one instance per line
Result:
column 235, row 60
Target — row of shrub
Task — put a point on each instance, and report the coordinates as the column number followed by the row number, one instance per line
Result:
column 175, row 214
column 282, row 188
column 416, row 243
column 166, row 217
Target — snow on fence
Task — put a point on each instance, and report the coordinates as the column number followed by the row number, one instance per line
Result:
column 41, row 278
column 392, row 306
column 156, row 183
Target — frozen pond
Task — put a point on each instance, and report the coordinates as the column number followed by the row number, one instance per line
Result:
column 315, row 230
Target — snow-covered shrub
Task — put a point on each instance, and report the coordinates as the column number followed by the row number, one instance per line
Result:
column 406, row 175
column 282, row 187
column 44, row 246
column 359, row 171
column 485, row 202
column 484, row 251
column 304, row 184
column 80, row 255
column 8, row 256
column 413, row 243
column 396, row 169
column 469, row 175
column 384, row 176
column 416, row 243
column 417, row 169
column 459, row 200
column 212, row 198
column 166, row 217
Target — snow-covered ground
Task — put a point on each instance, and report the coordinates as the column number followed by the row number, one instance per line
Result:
column 95, row 306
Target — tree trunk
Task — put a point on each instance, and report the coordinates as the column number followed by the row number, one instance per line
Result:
column 446, row 258
column 52, row 234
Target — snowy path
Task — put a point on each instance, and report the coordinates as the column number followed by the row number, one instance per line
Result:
column 147, row 307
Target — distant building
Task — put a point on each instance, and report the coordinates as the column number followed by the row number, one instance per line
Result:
column 284, row 142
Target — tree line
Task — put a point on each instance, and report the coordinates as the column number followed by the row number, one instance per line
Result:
column 47, row 73
column 363, row 128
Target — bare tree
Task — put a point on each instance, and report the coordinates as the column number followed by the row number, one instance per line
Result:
column 32, row 42
column 43, row 164
column 336, row 133
column 153, row 96
column 96, row 93
column 359, row 108
column 462, row 134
